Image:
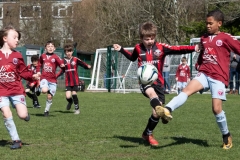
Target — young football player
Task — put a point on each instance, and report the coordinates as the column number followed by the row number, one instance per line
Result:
column 33, row 85
column 213, row 72
column 150, row 51
column 13, row 69
column 48, row 62
column 71, row 77
column 182, row 75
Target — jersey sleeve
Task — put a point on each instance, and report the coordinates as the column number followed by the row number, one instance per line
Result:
column 132, row 56
column 23, row 71
column 177, row 49
column 82, row 64
column 59, row 60
column 40, row 62
column 234, row 44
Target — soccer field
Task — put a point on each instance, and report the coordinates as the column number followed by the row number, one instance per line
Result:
column 110, row 127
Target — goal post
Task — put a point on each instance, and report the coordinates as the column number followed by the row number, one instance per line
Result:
column 113, row 72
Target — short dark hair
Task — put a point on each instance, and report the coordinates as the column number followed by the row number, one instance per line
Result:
column 147, row 29
column 68, row 47
column 34, row 58
column 217, row 15
column 49, row 42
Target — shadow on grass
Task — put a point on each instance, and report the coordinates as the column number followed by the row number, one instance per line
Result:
column 8, row 143
column 178, row 141
column 63, row 111
column 138, row 141
column 184, row 140
column 42, row 115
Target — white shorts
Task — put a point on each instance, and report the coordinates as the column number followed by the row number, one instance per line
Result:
column 216, row 87
column 14, row 100
column 181, row 85
column 52, row 87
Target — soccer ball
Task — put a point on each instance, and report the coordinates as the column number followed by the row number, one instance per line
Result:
column 147, row 74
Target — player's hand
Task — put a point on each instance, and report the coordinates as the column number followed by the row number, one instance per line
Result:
column 62, row 65
column 116, row 47
column 176, row 78
column 39, row 74
column 89, row 66
column 36, row 77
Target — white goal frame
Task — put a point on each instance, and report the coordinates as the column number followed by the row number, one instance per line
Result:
column 122, row 77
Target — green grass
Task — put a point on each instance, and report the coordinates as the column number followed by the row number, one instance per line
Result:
column 110, row 127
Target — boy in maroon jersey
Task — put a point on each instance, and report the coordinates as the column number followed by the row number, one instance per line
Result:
column 213, row 71
column 48, row 62
column 150, row 51
column 12, row 70
column 33, row 85
column 182, row 75
column 71, row 77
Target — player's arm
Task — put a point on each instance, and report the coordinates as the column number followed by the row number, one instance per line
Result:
column 167, row 49
column 60, row 72
column 39, row 66
column 23, row 71
column 83, row 64
column 60, row 62
column 177, row 73
column 234, row 44
column 132, row 56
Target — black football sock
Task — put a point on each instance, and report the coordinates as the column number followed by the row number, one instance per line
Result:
column 69, row 100
column 152, row 123
column 225, row 138
column 155, row 102
column 29, row 95
column 75, row 101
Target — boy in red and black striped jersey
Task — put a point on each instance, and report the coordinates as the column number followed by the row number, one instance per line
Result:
column 150, row 51
column 71, row 77
column 33, row 85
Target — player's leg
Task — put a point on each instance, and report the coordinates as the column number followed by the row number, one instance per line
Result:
column 198, row 83
column 19, row 103
column 218, row 95
column 9, row 123
column 153, row 120
column 69, row 98
column 34, row 97
column 75, row 99
column 52, row 90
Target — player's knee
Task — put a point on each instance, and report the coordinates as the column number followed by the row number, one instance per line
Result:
column 49, row 97
column 27, row 90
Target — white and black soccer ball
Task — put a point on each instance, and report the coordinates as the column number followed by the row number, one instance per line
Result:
column 147, row 74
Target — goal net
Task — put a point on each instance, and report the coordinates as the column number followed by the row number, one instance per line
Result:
column 123, row 76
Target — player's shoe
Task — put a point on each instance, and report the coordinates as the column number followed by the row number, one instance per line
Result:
column 77, row 111
column 150, row 139
column 46, row 113
column 16, row 145
column 229, row 144
column 163, row 113
column 36, row 106
column 27, row 118
column 69, row 105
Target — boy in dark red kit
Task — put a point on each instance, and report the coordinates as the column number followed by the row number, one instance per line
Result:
column 71, row 77
column 213, row 72
column 33, row 85
column 49, row 62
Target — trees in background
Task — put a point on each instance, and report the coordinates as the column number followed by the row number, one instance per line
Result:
column 99, row 23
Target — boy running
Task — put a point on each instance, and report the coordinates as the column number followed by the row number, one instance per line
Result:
column 33, row 85
column 48, row 63
column 71, row 77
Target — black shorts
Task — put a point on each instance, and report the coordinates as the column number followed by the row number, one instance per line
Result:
column 157, row 88
column 72, row 88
